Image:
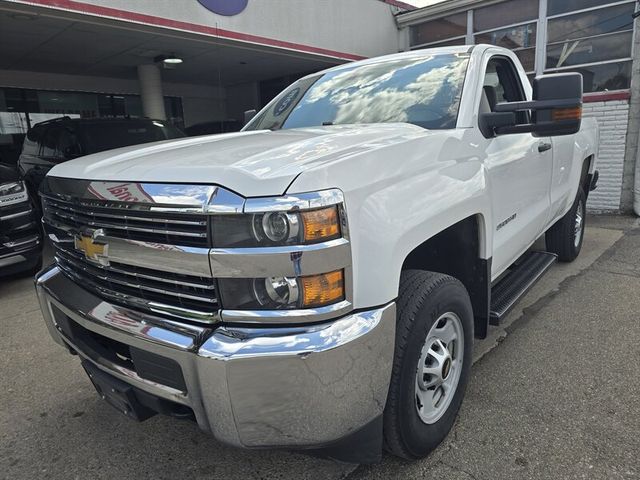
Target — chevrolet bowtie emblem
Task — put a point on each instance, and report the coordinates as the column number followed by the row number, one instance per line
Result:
column 93, row 249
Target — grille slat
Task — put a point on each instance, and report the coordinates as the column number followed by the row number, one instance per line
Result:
column 186, row 229
column 195, row 294
column 178, row 295
column 137, row 272
column 117, row 276
column 108, row 213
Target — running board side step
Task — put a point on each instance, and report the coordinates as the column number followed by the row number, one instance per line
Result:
column 523, row 275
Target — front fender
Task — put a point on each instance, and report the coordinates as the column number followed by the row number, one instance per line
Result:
column 393, row 222
column 393, row 206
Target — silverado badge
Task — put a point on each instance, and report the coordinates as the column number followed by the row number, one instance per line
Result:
column 94, row 250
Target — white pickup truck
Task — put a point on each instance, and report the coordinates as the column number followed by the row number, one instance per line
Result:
column 316, row 280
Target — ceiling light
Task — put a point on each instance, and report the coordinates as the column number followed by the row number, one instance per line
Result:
column 168, row 59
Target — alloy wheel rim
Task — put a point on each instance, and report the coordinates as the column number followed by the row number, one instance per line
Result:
column 439, row 368
column 579, row 225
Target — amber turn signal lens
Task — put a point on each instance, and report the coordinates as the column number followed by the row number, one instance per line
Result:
column 567, row 114
column 320, row 224
column 320, row 290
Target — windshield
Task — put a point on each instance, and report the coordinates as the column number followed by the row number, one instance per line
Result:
column 424, row 91
column 101, row 136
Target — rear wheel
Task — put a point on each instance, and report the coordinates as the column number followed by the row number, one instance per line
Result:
column 566, row 236
column 434, row 340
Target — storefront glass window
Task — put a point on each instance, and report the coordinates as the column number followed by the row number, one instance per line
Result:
column 63, row 103
column 596, row 43
column 592, row 23
column 111, row 106
column 589, row 50
column 527, row 57
column 607, row 76
column 523, row 36
column 521, row 39
column 439, row 30
column 557, row 7
column 133, row 105
column 504, row 13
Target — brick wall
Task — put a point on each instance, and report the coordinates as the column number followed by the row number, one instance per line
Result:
column 613, row 118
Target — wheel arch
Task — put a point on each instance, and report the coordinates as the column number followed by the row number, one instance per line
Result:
column 458, row 250
column 586, row 176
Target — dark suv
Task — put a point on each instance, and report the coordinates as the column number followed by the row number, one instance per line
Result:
column 61, row 139
column 19, row 228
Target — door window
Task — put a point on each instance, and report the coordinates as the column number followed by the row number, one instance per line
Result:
column 33, row 141
column 60, row 143
column 50, row 143
column 502, row 84
column 68, row 146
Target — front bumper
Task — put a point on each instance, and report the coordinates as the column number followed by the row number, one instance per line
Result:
column 298, row 387
column 20, row 242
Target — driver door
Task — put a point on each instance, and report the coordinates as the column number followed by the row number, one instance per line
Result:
column 519, row 169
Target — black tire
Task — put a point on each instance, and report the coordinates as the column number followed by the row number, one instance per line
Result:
column 561, row 237
column 424, row 297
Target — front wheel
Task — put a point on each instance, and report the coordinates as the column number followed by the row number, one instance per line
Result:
column 566, row 236
column 433, row 356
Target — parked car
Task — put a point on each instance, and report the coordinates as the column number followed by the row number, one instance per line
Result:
column 316, row 281
column 20, row 239
column 212, row 128
column 55, row 141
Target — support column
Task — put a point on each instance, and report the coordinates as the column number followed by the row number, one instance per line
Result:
column 151, row 91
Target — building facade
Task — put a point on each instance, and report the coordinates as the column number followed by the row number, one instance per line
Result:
column 594, row 37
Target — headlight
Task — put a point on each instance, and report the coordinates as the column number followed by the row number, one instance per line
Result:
column 13, row 192
column 282, row 293
column 272, row 229
column 277, row 223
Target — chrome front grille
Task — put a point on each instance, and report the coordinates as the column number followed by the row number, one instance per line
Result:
column 154, row 224
column 175, row 294
column 144, row 246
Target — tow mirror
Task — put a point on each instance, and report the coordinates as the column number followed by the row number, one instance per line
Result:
column 556, row 109
column 248, row 115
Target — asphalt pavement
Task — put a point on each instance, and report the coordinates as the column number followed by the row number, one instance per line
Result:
column 554, row 393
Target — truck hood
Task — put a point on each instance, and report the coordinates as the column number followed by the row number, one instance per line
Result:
column 255, row 163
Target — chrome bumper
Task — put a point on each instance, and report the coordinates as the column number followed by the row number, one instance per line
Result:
column 250, row 387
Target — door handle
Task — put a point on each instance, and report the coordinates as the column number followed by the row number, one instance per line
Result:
column 544, row 147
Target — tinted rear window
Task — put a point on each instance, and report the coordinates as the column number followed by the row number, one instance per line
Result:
column 98, row 137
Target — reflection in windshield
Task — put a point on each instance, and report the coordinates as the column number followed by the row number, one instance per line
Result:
column 424, row 91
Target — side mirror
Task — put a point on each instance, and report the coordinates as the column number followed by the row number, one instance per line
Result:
column 556, row 109
column 248, row 115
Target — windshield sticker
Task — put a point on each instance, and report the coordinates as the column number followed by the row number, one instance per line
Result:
column 286, row 102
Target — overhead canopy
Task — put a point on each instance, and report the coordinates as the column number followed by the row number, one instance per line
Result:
column 44, row 40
